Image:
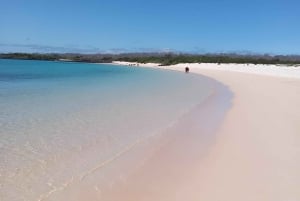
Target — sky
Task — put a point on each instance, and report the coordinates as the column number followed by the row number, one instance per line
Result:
column 115, row 26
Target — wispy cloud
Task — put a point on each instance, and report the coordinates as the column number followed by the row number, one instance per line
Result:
column 35, row 48
column 161, row 50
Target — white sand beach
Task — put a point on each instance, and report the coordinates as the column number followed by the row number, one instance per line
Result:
column 256, row 154
column 150, row 100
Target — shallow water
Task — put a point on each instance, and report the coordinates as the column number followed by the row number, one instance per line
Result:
column 60, row 122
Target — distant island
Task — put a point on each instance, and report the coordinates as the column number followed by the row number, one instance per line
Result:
column 161, row 58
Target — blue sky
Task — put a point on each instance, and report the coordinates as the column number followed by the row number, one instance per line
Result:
column 90, row 26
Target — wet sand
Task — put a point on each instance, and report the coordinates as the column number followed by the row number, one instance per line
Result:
column 255, row 156
column 160, row 165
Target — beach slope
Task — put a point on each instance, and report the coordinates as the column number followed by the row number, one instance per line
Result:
column 256, row 155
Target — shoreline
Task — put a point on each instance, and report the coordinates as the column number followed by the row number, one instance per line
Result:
column 91, row 169
column 259, row 69
column 158, row 165
column 256, row 155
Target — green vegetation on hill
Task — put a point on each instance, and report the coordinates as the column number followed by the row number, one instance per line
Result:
column 162, row 58
column 90, row 58
column 170, row 59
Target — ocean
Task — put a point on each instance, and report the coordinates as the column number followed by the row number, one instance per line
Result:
column 60, row 122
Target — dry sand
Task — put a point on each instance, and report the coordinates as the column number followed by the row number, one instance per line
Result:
column 256, row 155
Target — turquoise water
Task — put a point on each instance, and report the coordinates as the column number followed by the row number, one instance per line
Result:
column 55, row 115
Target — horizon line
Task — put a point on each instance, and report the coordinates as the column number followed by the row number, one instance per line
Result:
column 47, row 49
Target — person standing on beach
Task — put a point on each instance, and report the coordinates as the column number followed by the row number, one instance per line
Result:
column 187, row 69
